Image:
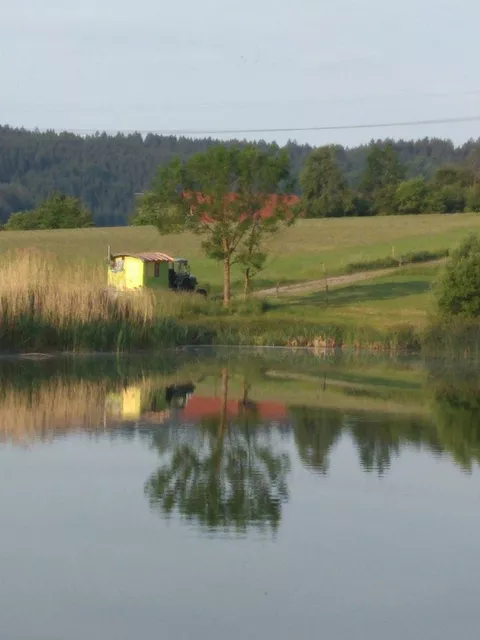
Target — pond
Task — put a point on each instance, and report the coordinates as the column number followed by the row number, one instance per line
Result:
column 239, row 494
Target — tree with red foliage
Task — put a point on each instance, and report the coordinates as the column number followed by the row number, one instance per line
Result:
column 233, row 197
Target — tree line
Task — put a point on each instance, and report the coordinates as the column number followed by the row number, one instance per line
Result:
column 384, row 186
column 234, row 198
column 105, row 172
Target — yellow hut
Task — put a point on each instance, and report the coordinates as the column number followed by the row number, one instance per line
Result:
column 130, row 271
column 137, row 270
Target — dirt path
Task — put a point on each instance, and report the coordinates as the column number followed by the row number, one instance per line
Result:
column 336, row 281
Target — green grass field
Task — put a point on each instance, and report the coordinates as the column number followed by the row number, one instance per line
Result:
column 296, row 255
column 404, row 297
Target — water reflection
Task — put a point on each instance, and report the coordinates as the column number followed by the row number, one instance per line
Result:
column 338, row 457
column 456, row 410
column 229, row 476
column 316, row 433
column 225, row 426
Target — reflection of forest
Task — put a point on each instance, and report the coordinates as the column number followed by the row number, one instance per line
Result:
column 381, row 407
column 376, row 437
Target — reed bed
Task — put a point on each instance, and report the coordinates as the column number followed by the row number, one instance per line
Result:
column 45, row 304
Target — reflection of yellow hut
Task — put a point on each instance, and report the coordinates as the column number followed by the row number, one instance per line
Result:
column 125, row 405
column 146, row 402
column 132, row 403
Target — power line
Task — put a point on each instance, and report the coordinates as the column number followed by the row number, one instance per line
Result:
column 343, row 127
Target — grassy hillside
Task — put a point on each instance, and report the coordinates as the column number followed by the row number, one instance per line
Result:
column 296, row 255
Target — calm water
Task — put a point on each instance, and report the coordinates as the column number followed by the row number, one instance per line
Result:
column 237, row 495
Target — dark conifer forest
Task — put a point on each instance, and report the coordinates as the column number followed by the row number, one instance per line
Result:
column 106, row 171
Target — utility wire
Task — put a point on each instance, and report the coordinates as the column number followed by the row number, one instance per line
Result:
column 343, row 127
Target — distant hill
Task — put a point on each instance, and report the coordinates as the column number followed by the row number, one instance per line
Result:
column 107, row 170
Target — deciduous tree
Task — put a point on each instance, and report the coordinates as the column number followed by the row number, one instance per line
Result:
column 381, row 178
column 459, row 289
column 325, row 192
column 57, row 212
column 232, row 197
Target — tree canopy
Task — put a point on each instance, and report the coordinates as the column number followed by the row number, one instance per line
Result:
column 106, row 171
column 57, row 212
column 232, row 197
column 383, row 174
column 459, row 289
column 325, row 192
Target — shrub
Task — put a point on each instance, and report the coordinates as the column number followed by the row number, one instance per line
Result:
column 58, row 212
column 389, row 262
column 411, row 196
column 473, row 198
column 449, row 199
column 458, row 292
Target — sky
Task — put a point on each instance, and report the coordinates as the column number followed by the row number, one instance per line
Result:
column 216, row 65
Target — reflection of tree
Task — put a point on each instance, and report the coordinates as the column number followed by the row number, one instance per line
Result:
column 316, row 433
column 228, row 477
column 375, row 446
column 376, row 437
column 456, row 409
column 380, row 437
column 318, row 430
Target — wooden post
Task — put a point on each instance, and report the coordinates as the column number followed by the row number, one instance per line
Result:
column 326, row 280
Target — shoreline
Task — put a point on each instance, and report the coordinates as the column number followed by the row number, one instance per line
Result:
column 459, row 336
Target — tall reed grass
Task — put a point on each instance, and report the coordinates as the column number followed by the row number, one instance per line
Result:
column 454, row 337
column 45, row 305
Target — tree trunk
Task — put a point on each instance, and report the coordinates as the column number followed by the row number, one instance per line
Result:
column 226, row 282
column 246, row 285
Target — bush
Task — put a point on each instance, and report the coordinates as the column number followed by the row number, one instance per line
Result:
column 58, row 212
column 389, row 262
column 371, row 265
column 448, row 199
column 473, row 198
column 424, row 256
column 362, row 206
column 458, row 292
column 411, row 196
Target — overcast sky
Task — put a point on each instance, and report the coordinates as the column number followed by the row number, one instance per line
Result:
column 233, row 64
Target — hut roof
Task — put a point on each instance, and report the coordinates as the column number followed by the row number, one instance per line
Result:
column 153, row 256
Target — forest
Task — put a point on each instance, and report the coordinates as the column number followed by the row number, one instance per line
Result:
column 105, row 172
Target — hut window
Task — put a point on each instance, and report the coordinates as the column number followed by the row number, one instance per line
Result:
column 156, row 269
